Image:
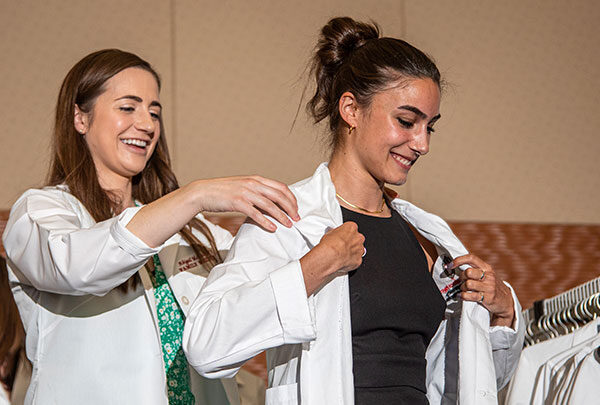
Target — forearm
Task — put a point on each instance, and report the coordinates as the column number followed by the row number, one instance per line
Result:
column 54, row 254
column 317, row 269
column 233, row 320
column 162, row 218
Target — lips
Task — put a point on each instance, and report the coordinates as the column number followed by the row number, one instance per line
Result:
column 136, row 142
column 403, row 161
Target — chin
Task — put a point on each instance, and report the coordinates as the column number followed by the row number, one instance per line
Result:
column 397, row 180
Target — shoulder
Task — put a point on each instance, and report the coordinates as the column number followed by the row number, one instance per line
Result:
column 42, row 200
column 223, row 238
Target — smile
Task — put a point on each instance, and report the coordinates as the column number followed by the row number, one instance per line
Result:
column 135, row 142
column 404, row 162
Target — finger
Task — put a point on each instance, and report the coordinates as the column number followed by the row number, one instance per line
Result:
column 473, row 296
column 267, row 206
column 474, row 274
column 352, row 226
column 473, row 285
column 281, row 199
column 258, row 218
column 289, row 197
column 471, row 260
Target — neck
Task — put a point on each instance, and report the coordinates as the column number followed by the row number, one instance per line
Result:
column 120, row 186
column 355, row 184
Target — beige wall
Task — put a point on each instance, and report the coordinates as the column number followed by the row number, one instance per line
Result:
column 517, row 140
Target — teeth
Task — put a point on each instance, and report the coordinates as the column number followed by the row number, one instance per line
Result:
column 136, row 142
column 402, row 160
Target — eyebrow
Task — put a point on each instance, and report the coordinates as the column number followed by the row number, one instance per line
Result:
column 420, row 113
column 139, row 100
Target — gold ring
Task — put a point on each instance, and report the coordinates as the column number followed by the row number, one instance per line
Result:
column 482, row 275
column 481, row 299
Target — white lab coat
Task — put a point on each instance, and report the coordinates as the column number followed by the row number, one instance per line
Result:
column 533, row 377
column 309, row 342
column 90, row 343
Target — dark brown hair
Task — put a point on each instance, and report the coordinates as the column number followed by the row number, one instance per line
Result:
column 72, row 162
column 351, row 56
column 11, row 332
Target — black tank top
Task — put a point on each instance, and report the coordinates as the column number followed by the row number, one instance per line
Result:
column 396, row 308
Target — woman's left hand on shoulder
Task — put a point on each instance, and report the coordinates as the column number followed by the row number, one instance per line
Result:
column 481, row 284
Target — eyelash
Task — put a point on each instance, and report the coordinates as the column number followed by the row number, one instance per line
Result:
column 409, row 125
column 154, row 115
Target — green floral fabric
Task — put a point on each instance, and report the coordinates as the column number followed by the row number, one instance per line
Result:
column 170, row 324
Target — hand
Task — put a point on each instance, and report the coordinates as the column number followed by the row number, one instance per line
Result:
column 482, row 285
column 250, row 195
column 339, row 251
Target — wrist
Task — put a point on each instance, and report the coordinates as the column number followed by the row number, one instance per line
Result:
column 503, row 319
column 196, row 192
column 318, row 267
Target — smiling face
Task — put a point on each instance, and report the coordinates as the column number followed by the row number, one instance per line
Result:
column 123, row 127
column 393, row 131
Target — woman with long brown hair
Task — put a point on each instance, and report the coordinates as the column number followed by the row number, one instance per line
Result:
column 367, row 299
column 106, row 259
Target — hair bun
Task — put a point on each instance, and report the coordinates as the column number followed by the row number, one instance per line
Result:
column 340, row 37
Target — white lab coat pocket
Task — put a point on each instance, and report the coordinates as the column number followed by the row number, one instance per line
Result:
column 282, row 395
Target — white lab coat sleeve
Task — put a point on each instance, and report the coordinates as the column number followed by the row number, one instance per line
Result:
column 49, row 249
column 507, row 344
column 253, row 301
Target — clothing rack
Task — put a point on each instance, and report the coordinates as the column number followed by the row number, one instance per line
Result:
column 562, row 313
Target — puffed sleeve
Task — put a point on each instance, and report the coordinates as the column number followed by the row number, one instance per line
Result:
column 50, row 249
column 507, row 344
column 253, row 301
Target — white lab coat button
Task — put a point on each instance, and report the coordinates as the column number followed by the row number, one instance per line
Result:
column 185, row 300
column 482, row 393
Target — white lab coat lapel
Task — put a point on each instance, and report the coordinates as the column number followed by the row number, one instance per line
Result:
column 477, row 381
column 185, row 277
column 333, row 301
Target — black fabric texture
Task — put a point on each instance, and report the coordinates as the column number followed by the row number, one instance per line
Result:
column 396, row 309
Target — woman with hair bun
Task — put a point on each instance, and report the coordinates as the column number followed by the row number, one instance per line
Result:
column 105, row 260
column 368, row 299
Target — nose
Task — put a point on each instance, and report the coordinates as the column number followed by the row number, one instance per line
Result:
column 145, row 122
column 420, row 140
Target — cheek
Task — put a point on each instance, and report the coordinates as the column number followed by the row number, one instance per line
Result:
column 154, row 143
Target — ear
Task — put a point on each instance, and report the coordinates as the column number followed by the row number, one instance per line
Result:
column 80, row 120
column 348, row 107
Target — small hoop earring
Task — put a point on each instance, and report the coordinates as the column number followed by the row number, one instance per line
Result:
column 351, row 129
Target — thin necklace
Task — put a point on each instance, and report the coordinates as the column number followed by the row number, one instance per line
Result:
column 379, row 211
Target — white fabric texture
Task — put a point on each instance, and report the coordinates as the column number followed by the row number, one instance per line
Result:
column 546, row 369
column 90, row 343
column 585, row 386
column 556, row 371
column 309, row 342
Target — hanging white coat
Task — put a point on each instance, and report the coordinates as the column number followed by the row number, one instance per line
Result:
column 256, row 300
